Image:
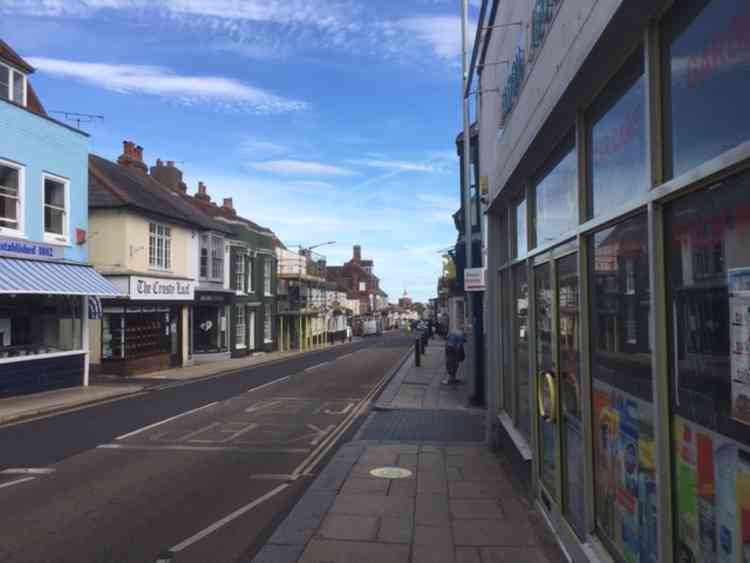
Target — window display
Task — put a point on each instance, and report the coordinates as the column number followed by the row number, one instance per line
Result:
column 135, row 333
column 708, row 274
column 209, row 329
column 623, row 414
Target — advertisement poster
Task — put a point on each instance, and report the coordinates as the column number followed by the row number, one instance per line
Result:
column 625, row 461
column 713, row 497
column 739, row 335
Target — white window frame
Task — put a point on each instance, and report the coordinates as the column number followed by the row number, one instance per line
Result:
column 11, row 74
column 240, row 328
column 17, row 232
column 218, row 256
column 250, row 279
column 166, row 239
column 267, row 279
column 267, row 324
column 239, row 273
column 55, row 238
column 204, row 243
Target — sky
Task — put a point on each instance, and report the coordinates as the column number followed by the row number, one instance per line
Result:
column 325, row 120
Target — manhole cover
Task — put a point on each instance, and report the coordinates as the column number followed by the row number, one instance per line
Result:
column 391, row 472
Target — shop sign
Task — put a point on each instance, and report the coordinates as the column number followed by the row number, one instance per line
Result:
column 210, row 298
column 161, row 289
column 475, row 279
column 26, row 249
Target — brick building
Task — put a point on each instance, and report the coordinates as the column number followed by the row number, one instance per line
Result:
column 356, row 277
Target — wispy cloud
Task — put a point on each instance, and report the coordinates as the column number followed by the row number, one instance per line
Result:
column 314, row 184
column 301, row 168
column 258, row 149
column 441, row 33
column 160, row 81
column 385, row 164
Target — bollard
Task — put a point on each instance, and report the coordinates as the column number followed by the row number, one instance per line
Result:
column 417, row 359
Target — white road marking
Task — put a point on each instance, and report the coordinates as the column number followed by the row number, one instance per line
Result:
column 320, row 432
column 316, row 366
column 269, row 383
column 187, row 437
column 28, row 471
column 344, row 356
column 346, row 410
column 16, row 482
column 263, row 405
column 179, row 447
column 273, row 476
column 170, row 419
column 233, row 516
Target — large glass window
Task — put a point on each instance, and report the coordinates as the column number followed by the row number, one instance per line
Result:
column 18, row 87
column 623, row 414
column 159, row 246
column 209, row 329
column 39, row 324
column 707, row 66
column 521, row 347
column 618, row 140
column 522, row 240
column 238, row 283
column 708, row 276
column 55, row 207
column 557, row 200
column 10, row 196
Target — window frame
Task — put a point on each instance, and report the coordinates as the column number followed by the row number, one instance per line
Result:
column 166, row 247
column 12, row 72
column 21, row 192
column 267, row 324
column 204, row 244
column 250, row 274
column 267, row 277
column 216, row 257
column 240, row 312
column 239, row 272
column 50, row 237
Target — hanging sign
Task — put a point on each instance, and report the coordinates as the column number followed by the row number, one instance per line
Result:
column 475, row 279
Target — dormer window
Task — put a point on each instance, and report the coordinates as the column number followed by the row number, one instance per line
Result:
column 12, row 85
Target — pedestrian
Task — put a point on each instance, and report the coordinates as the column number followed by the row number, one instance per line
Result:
column 454, row 355
column 349, row 333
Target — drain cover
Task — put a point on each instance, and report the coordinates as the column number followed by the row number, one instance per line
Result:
column 391, row 472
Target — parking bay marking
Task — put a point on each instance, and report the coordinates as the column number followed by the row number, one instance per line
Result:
column 170, row 419
column 16, row 482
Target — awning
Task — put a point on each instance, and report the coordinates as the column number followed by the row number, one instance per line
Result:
column 52, row 278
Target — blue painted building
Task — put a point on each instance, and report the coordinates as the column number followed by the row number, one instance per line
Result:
column 46, row 285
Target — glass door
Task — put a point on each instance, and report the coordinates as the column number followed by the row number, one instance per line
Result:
column 558, row 385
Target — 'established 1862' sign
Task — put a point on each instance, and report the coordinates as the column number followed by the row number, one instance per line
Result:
column 28, row 249
column 161, row 289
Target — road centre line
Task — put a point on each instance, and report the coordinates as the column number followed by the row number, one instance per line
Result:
column 286, row 377
column 233, row 516
column 170, row 419
column 316, row 366
column 28, row 471
column 16, row 482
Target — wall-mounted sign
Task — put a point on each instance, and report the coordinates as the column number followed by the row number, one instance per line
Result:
column 475, row 279
column 161, row 289
column 27, row 249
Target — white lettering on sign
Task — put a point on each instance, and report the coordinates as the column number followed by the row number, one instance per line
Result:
column 161, row 289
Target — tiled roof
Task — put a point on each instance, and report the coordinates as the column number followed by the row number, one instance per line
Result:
column 113, row 185
column 215, row 210
column 10, row 56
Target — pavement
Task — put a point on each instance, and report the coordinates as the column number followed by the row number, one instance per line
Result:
column 111, row 387
column 189, row 473
column 441, row 496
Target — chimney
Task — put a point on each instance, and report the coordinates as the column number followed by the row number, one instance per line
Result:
column 357, row 254
column 202, row 193
column 132, row 157
column 168, row 175
column 227, row 205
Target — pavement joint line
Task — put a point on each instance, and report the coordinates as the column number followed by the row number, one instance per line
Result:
column 259, row 387
column 170, row 419
column 16, row 482
column 28, row 471
column 228, row 518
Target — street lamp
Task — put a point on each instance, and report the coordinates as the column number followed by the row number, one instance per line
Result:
column 319, row 244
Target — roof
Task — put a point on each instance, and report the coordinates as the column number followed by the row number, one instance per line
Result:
column 32, row 101
column 112, row 185
column 10, row 56
column 214, row 210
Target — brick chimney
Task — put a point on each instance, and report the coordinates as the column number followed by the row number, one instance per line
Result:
column 228, row 207
column 357, row 258
column 202, row 194
column 169, row 175
column 132, row 157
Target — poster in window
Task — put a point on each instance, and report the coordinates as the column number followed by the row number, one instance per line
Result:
column 739, row 311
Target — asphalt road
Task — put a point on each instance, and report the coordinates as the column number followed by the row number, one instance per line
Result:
column 193, row 473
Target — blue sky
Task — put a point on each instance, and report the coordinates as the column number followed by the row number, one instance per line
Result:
column 322, row 119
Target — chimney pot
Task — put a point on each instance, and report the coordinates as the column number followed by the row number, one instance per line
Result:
column 228, row 203
column 357, row 254
column 202, row 193
column 132, row 157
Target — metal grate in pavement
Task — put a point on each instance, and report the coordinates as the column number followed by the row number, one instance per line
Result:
column 421, row 425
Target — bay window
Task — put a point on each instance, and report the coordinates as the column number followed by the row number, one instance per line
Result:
column 217, row 258
column 12, row 85
column 268, row 265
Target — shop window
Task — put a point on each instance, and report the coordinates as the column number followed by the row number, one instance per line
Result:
column 55, row 208
column 708, row 275
column 250, row 278
column 209, row 329
column 11, row 200
column 557, row 200
column 135, row 333
column 618, row 140
column 521, row 346
column 623, row 413
column 159, row 246
column 707, row 77
column 238, row 284
column 39, row 324
column 240, row 327
column 522, row 242
column 267, row 324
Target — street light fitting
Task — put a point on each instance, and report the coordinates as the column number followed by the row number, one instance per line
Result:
column 320, row 244
column 509, row 24
column 503, row 62
column 483, row 91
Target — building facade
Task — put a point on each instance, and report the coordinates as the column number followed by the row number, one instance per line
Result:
column 357, row 277
column 617, row 155
column 46, row 284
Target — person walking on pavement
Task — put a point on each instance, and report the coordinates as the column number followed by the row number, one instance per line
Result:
column 454, row 355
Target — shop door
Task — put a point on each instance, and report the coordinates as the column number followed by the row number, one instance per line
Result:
column 560, row 427
column 175, row 338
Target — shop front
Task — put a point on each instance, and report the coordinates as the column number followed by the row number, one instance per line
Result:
column 210, row 326
column 147, row 331
column 245, row 316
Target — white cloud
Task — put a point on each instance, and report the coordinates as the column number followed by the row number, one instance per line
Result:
column 314, row 185
column 159, row 81
column 256, row 149
column 441, row 33
column 385, row 164
column 301, row 168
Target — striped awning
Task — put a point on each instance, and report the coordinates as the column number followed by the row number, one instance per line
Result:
column 52, row 278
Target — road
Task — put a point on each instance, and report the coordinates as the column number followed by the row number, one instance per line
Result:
column 190, row 473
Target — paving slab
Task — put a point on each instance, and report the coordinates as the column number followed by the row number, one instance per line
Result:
column 330, row 551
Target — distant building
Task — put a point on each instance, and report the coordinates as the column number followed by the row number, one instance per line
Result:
column 357, row 277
